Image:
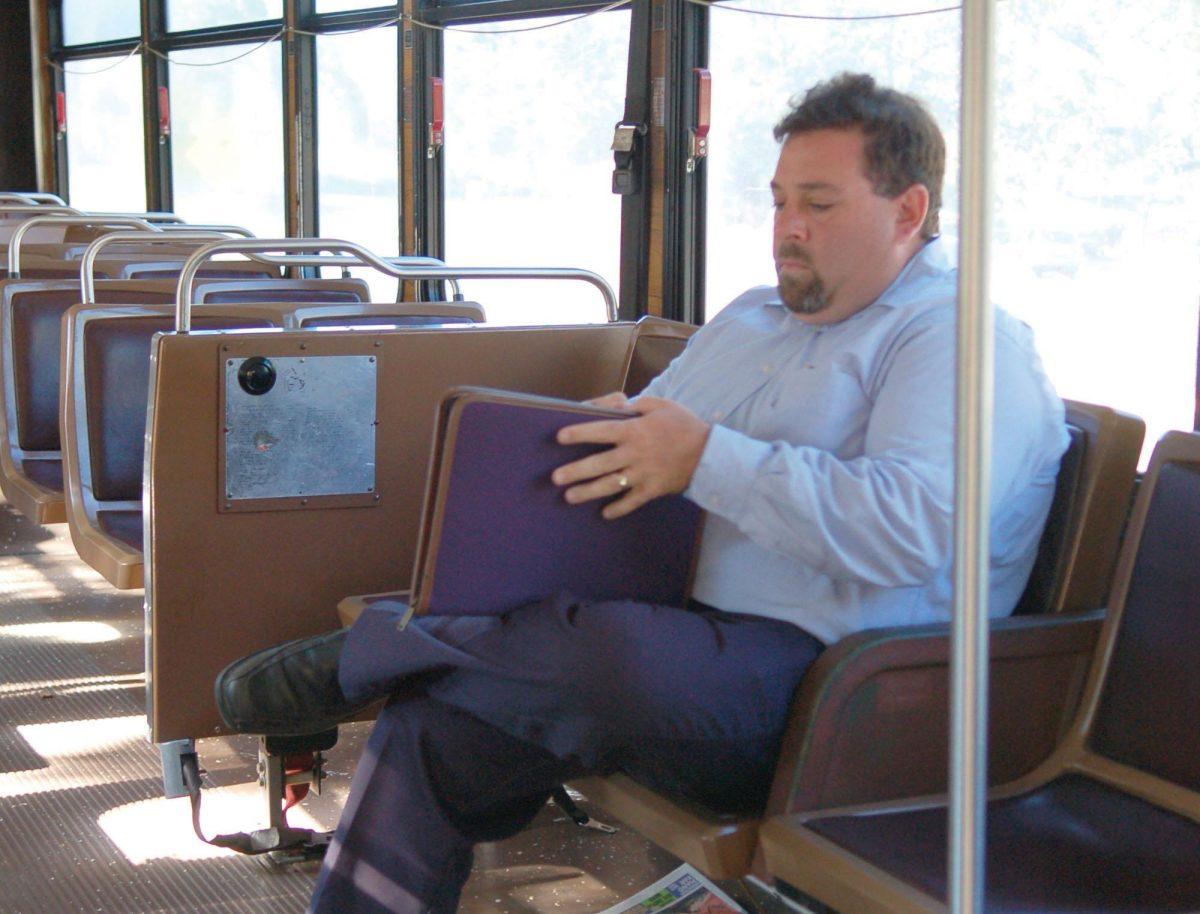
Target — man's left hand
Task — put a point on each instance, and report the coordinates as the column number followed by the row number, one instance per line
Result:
column 652, row 455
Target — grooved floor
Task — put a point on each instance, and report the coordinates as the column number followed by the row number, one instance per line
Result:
column 84, row 827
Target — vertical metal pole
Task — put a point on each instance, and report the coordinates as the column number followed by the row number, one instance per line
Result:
column 969, row 663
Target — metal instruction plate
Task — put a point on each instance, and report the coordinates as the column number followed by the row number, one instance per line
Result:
column 298, row 427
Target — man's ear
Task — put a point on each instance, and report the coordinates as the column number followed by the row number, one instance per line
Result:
column 912, row 207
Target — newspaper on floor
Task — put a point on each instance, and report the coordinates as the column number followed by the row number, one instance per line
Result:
column 682, row 891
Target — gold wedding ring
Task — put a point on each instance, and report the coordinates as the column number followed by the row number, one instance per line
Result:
column 623, row 481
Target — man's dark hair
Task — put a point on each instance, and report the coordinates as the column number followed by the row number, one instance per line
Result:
column 902, row 143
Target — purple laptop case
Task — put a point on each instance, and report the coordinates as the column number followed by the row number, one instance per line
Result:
column 508, row 537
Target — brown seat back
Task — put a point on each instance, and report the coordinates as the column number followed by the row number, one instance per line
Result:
column 323, row 291
column 284, row 563
column 657, row 343
column 392, row 314
column 1078, row 549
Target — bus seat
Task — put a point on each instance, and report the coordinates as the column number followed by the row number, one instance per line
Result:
column 30, row 317
column 656, row 342
column 103, row 422
column 281, row 568
column 1111, row 820
column 870, row 718
column 397, row 314
column 213, row 269
column 242, row 291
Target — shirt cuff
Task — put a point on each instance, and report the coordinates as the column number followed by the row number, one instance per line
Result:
column 727, row 470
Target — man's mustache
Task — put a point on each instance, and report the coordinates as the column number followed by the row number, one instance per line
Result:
column 789, row 251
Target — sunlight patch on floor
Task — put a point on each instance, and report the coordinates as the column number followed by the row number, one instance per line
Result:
column 76, row 632
column 73, row 685
column 161, row 829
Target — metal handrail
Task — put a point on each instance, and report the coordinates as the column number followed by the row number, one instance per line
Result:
column 183, row 305
column 338, row 260
column 87, row 282
column 53, row 199
column 22, row 199
column 39, row 209
column 206, row 227
column 156, row 216
column 14, row 245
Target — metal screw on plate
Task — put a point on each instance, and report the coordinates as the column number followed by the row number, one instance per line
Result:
column 304, row 345
column 304, row 501
column 378, row 343
column 371, row 358
column 229, row 362
column 377, row 496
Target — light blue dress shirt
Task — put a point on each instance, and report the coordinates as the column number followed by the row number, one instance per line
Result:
column 828, row 477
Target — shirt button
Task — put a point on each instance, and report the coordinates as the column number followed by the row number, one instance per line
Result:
column 766, row 369
column 717, row 415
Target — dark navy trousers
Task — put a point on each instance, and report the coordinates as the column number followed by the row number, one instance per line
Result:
column 487, row 715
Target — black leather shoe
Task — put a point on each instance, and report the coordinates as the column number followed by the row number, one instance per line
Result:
column 287, row 690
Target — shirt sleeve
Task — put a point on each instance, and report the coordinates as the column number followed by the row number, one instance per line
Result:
column 884, row 517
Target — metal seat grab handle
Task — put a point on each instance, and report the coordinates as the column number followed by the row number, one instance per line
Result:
column 339, row 260
column 183, row 306
column 87, row 281
column 32, row 197
column 35, row 209
column 14, row 245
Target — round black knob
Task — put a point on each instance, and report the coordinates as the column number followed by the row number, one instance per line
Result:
column 256, row 375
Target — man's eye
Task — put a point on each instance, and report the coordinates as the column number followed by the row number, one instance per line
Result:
column 820, row 207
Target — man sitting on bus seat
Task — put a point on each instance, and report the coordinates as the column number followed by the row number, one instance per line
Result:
column 814, row 422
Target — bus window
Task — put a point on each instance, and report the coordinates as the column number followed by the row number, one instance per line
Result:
column 758, row 63
column 1094, row 232
column 529, row 118
column 227, row 137
column 188, row 14
column 1096, row 215
column 85, row 21
column 344, row 6
column 358, row 192
column 104, row 134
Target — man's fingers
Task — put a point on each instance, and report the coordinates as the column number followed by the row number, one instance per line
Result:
column 605, row 487
column 603, row 431
column 633, row 500
column 591, row 467
column 615, row 400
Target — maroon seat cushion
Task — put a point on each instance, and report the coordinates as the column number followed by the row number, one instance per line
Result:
column 1147, row 712
column 125, row 526
column 46, row 473
column 36, row 337
column 302, row 296
column 117, row 377
column 1075, row 845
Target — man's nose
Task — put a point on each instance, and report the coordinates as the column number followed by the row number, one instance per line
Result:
column 792, row 223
